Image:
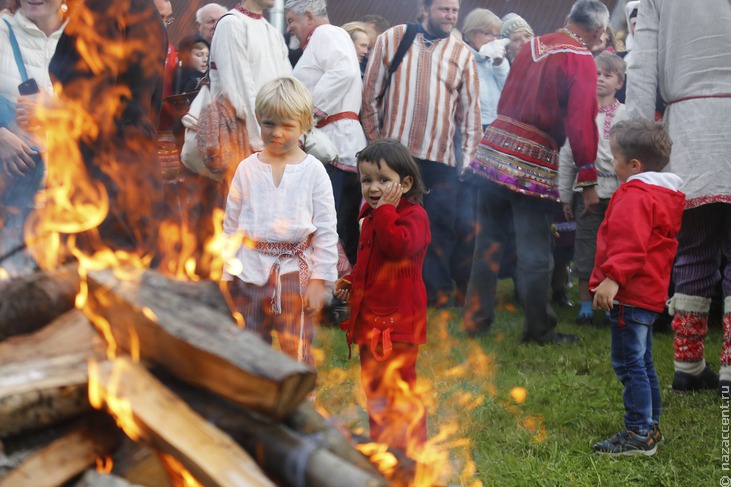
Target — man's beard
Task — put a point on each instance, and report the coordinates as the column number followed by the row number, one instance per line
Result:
column 436, row 29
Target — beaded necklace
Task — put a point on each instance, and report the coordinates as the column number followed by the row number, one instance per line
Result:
column 573, row 35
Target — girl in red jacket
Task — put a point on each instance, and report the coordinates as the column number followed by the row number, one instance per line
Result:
column 387, row 294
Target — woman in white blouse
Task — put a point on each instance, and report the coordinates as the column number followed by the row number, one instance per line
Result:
column 37, row 27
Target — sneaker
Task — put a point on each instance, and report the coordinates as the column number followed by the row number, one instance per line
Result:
column 684, row 382
column 627, row 442
column 657, row 434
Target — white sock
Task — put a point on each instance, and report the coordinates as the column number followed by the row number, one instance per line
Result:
column 725, row 373
column 692, row 368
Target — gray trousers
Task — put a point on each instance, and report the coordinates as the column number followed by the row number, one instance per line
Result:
column 532, row 221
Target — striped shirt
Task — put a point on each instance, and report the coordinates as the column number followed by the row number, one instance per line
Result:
column 432, row 93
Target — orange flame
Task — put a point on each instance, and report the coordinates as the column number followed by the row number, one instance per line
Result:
column 104, row 465
column 181, row 476
column 101, row 396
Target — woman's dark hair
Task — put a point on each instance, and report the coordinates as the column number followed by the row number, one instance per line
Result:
column 398, row 158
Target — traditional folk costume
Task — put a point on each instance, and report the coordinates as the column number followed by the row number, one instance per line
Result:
column 289, row 237
column 246, row 53
column 550, row 94
column 329, row 69
column 432, row 94
column 388, row 313
column 692, row 68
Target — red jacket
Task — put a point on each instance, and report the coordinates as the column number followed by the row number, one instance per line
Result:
column 388, row 291
column 636, row 242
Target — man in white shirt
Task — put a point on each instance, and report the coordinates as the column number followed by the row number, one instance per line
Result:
column 329, row 69
column 246, row 52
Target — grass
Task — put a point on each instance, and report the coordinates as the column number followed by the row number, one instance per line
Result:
column 573, row 400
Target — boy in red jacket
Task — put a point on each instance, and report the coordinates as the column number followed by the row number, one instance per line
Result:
column 636, row 245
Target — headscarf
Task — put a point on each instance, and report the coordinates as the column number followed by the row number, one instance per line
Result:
column 513, row 22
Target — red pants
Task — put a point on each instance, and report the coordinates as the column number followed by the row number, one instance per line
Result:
column 396, row 412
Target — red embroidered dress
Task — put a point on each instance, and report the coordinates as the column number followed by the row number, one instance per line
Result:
column 549, row 95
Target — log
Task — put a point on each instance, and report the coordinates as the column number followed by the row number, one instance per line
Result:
column 287, row 457
column 306, row 420
column 43, row 376
column 205, row 292
column 197, row 344
column 70, row 333
column 19, row 447
column 32, row 301
column 153, row 414
column 65, row 458
column 92, row 478
column 139, row 464
column 39, row 393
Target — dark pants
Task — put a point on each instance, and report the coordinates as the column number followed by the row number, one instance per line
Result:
column 466, row 228
column 632, row 361
column 532, row 222
column 347, row 193
column 396, row 414
column 440, row 204
column 704, row 241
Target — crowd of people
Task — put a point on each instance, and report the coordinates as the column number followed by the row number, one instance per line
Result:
column 395, row 168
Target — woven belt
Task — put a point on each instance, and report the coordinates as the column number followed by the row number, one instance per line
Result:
column 336, row 117
column 283, row 250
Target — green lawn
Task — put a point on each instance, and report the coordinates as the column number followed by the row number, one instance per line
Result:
column 573, row 400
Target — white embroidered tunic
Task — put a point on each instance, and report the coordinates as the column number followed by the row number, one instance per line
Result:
column 329, row 69
column 300, row 206
column 246, row 53
column 684, row 48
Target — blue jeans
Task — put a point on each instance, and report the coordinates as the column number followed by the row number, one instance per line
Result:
column 632, row 361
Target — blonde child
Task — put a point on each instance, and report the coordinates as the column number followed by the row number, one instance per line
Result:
column 610, row 74
column 281, row 201
column 386, row 290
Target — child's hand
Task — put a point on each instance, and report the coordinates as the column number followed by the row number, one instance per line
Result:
column 391, row 196
column 314, row 295
column 604, row 294
column 568, row 211
column 343, row 289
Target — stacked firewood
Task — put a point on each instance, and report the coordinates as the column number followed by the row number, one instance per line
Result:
column 194, row 394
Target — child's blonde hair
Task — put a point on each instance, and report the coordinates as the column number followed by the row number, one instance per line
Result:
column 285, row 98
column 611, row 62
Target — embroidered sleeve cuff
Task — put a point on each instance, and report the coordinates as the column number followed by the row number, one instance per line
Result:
column 587, row 176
